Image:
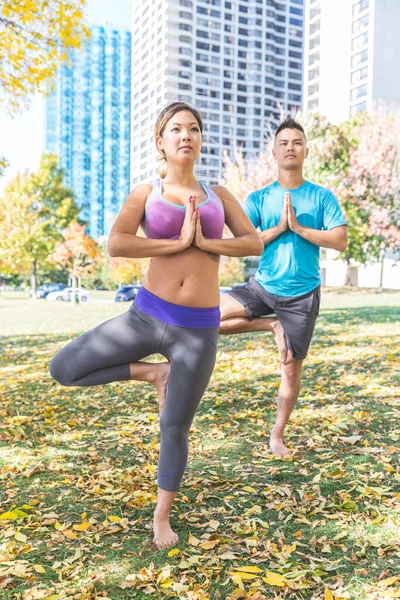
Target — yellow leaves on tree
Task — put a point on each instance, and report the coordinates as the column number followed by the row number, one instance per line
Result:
column 35, row 36
column 77, row 254
column 126, row 270
column 231, row 270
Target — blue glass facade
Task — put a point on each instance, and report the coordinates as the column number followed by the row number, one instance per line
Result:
column 87, row 123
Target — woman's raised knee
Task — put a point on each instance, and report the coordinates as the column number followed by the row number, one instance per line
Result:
column 59, row 372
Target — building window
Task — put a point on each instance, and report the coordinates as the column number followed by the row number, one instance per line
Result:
column 359, row 41
column 313, row 89
column 359, row 92
column 361, row 23
column 313, row 73
column 360, row 6
column 314, row 42
column 359, row 75
column 358, row 108
column 359, row 58
column 313, row 58
column 314, row 27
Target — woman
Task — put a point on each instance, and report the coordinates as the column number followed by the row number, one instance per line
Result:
column 176, row 313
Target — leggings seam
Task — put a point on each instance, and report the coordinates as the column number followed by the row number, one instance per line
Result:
column 206, row 337
column 162, row 336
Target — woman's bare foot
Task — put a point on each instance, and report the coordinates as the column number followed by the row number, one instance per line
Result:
column 161, row 376
column 164, row 537
column 280, row 340
column 277, row 446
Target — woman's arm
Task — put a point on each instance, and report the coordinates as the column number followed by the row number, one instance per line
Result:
column 246, row 241
column 123, row 240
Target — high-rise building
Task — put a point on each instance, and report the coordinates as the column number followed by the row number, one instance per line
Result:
column 87, row 123
column 351, row 56
column 239, row 62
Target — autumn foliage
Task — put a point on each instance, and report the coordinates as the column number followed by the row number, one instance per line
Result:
column 35, row 36
column 77, row 254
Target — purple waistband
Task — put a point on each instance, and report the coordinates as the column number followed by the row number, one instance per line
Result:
column 175, row 314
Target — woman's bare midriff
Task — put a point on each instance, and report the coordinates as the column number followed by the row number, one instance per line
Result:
column 188, row 278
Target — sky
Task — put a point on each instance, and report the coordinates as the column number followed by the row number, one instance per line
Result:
column 21, row 137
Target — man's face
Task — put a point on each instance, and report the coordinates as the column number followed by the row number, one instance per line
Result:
column 290, row 149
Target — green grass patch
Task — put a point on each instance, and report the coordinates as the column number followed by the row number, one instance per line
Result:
column 78, row 468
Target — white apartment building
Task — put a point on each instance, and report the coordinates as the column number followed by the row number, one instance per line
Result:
column 351, row 56
column 239, row 62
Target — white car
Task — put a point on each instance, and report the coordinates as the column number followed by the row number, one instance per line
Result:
column 68, row 294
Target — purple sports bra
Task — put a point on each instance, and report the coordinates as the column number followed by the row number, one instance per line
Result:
column 164, row 219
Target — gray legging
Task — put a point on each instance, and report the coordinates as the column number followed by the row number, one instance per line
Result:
column 103, row 354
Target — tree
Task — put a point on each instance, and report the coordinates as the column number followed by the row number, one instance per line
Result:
column 36, row 36
column 328, row 164
column 126, row 270
column 231, row 270
column 78, row 253
column 372, row 183
column 243, row 176
column 34, row 210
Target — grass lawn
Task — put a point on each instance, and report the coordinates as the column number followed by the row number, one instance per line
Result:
column 78, row 468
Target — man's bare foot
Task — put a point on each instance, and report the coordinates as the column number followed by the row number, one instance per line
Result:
column 161, row 376
column 164, row 537
column 277, row 446
column 280, row 340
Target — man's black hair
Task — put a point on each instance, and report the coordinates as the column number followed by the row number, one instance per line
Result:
column 289, row 124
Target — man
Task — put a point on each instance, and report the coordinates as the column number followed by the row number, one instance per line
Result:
column 295, row 218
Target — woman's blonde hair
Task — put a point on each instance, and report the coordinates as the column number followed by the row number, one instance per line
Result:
column 165, row 115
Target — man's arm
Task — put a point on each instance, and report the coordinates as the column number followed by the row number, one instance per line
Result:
column 335, row 238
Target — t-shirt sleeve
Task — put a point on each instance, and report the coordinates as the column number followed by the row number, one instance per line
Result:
column 332, row 213
column 251, row 208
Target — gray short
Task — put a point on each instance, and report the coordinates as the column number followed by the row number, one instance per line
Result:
column 297, row 314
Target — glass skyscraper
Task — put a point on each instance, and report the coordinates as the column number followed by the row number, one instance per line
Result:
column 87, row 123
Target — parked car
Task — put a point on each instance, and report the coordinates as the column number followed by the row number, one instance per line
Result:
column 46, row 288
column 125, row 293
column 68, row 293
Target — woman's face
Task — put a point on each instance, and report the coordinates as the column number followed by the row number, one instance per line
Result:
column 181, row 139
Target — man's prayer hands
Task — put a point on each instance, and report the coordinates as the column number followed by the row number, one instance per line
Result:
column 291, row 217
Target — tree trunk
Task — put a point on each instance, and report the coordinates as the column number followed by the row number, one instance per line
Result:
column 75, row 296
column 347, row 280
column 33, row 279
column 382, row 263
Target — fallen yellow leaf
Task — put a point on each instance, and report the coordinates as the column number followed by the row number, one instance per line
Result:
column 244, row 575
column 390, row 580
column 209, row 544
column 249, row 569
column 193, row 541
column 70, row 534
column 274, row 579
column 20, row 537
column 328, row 595
column 39, row 569
column 82, row 526
column 174, row 552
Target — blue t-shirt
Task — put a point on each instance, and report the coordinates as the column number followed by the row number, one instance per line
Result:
column 289, row 265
